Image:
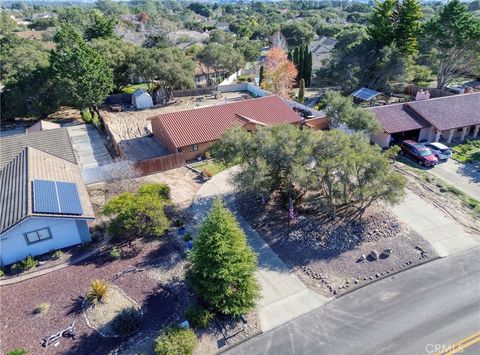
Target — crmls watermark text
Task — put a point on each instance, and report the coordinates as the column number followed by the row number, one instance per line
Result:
column 442, row 348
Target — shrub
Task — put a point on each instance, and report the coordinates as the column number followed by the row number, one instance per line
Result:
column 115, row 253
column 56, row 254
column 15, row 268
column 223, row 265
column 2, row 273
column 207, row 173
column 127, row 321
column 139, row 214
column 197, row 316
column 28, row 263
column 176, row 340
column 86, row 116
column 187, row 237
column 18, row 352
column 98, row 291
column 41, row 308
column 159, row 190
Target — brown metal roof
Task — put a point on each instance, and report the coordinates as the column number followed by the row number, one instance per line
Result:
column 16, row 185
column 450, row 112
column 207, row 124
column 398, row 118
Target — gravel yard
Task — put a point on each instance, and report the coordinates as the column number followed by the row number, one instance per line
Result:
column 63, row 291
column 332, row 257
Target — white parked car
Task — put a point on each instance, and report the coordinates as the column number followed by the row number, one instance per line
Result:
column 441, row 151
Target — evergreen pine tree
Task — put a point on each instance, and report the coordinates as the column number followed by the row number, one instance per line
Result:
column 260, row 75
column 305, row 63
column 295, row 57
column 301, row 64
column 223, row 265
column 309, row 71
column 301, row 91
column 408, row 28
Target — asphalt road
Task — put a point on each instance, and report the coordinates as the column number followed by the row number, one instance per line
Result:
column 425, row 310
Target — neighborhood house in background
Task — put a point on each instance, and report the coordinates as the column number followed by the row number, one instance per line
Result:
column 192, row 132
column 447, row 119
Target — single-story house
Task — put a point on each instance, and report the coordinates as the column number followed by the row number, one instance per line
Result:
column 141, row 99
column 40, row 156
column 321, row 48
column 445, row 119
column 193, row 131
column 54, row 141
column 44, row 205
column 42, row 125
column 205, row 75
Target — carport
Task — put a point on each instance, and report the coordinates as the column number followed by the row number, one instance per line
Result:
column 399, row 123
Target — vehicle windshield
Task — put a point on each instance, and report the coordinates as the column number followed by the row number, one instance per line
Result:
column 425, row 152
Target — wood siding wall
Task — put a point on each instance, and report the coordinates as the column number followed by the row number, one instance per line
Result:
column 166, row 162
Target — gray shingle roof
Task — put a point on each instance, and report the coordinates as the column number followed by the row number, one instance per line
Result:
column 55, row 142
column 398, row 118
column 16, row 185
column 450, row 112
column 13, row 191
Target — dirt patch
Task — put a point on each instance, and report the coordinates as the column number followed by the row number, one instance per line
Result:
column 183, row 183
column 101, row 315
column 333, row 256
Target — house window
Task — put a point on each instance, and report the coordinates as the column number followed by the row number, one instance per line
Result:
column 193, row 148
column 38, row 235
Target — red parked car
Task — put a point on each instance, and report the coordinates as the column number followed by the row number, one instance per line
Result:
column 419, row 153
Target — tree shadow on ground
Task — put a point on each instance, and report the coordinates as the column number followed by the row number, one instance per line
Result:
column 471, row 171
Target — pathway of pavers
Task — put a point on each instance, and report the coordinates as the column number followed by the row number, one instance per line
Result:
column 284, row 296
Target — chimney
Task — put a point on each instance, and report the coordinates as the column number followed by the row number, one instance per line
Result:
column 422, row 95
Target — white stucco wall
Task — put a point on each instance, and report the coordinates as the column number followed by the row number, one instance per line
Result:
column 14, row 247
column 427, row 134
column 382, row 139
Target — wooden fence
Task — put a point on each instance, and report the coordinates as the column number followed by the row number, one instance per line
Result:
column 194, row 92
column 434, row 92
column 166, row 162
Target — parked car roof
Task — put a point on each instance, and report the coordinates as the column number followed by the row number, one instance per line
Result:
column 438, row 145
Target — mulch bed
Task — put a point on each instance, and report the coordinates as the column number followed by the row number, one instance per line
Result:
column 333, row 256
column 64, row 288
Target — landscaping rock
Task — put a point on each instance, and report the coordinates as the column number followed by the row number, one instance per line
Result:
column 362, row 258
column 374, row 254
column 386, row 253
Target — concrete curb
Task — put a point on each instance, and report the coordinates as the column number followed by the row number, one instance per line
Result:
column 27, row 276
column 229, row 347
column 386, row 277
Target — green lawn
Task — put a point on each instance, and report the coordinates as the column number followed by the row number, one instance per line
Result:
column 468, row 152
column 209, row 166
column 130, row 89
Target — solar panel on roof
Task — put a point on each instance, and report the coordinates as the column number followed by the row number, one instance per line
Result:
column 56, row 197
column 68, row 198
column 365, row 94
column 45, row 197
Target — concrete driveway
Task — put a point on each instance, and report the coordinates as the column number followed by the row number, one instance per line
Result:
column 439, row 229
column 465, row 177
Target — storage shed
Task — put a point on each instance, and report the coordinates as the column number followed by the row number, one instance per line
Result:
column 141, row 99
